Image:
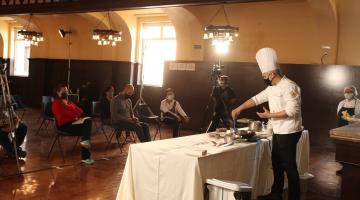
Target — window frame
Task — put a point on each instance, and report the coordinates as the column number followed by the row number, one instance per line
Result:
column 13, row 53
column 141, row 48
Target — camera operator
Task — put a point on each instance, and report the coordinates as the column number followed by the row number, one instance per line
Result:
column 20, row 131
column 225, row 99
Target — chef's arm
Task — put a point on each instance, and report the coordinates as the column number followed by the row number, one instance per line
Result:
column 246, row 105
column 281, row 114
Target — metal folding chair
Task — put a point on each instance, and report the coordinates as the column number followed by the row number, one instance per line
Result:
column 60, row 134
column 99, row 124
column 73, row 98
column 128, row 138
column 46, row 113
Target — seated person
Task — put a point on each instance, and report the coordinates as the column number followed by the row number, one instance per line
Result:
column 171, row 112
column 122, row 116
column 65, row 113
column 105, row 100
column 20, row 132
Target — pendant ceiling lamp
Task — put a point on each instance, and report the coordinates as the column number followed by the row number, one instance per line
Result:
column 220, row 35
column 106, row 37
column 32, row 36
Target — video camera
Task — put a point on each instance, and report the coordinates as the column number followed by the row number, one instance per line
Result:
column 216, row 70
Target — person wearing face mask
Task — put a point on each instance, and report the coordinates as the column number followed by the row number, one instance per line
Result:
column 284, row 98
column 172, row 113
column 123, row 118
column 224, row 101
column 66, row 113
column 349, row 108
column 105, row 100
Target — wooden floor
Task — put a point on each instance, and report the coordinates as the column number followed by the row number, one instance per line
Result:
column 58, row 179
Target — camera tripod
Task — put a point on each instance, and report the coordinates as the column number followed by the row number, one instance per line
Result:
column 7, row 105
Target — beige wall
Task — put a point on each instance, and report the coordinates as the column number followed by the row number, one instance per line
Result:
column 297, row 29
column 189, row 32
column 82, row 47
column 287, row 26
column 4, row 32
column 349, row 32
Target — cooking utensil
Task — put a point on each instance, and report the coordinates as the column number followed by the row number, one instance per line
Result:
column 255, row 126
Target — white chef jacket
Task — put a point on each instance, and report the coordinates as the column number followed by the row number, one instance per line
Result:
column 284, row 96
column 354, row 103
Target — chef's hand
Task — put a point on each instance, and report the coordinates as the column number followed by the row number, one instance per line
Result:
column 265, row 114
column 235, row 113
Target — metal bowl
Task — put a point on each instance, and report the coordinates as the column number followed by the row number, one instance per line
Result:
column 255, row 126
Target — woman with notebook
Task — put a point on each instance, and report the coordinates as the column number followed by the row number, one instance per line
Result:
column 69, row 118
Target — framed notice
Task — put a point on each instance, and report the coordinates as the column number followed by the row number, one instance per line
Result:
column 182, row 66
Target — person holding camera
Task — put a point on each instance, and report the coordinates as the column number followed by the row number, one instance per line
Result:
column 224, row 101
column 20, row 131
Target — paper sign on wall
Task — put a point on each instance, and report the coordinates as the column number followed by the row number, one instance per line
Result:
column 182, row 66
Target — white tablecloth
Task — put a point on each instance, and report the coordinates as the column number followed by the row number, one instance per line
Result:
column 172, row 169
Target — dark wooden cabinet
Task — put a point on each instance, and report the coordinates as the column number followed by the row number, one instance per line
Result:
column 348, row 154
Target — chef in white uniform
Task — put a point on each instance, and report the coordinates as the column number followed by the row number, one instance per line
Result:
column 348, row 109
column 284, row 98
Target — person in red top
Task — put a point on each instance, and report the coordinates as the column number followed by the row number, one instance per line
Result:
column 66, row 113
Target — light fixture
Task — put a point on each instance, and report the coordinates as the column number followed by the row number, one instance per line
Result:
column 221, row 35
column 106, row 37
column 31, row 36
column 63, row 33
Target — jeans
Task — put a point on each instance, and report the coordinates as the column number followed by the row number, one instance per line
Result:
column 83, row 130
column 20, row 134
column 141, row 129
column 283, row 158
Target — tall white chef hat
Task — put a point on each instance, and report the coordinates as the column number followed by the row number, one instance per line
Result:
column 267, row 59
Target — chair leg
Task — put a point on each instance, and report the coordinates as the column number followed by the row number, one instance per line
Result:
column 52, row 146
column 47, row 123
column 61, row 150
column 109, row 142
column 158, row 131
column 22, row 115
column 103, row 131
column 96, row 125
column 118, row 141
column 77, row 141
column 133, row 135
column 42, row 122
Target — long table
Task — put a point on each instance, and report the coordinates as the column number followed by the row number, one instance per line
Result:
column 174, row 169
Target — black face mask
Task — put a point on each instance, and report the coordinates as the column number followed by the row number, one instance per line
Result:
column 267, row 81
column 64, row 95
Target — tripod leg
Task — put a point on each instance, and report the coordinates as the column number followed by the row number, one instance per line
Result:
column 208, row 128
